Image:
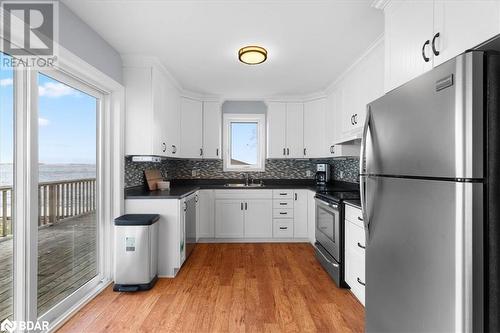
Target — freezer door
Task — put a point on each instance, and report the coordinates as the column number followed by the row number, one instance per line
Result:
column 431, row 126
column 419, row 255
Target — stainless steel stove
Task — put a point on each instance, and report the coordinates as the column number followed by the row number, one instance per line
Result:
column 329, row 243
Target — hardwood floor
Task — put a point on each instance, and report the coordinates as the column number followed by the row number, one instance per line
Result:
column 229, row 288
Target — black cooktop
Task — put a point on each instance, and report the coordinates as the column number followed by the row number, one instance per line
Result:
column 338, row 196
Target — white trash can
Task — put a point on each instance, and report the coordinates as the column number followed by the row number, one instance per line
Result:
column 136, row 252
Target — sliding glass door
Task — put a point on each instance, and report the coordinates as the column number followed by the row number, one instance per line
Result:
column 68, row 210
column 6, row 190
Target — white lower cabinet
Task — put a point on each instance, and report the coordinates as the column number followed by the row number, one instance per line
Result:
column 300, row 214
column 258, row 221
column 206, row 216
column 355, row 252
column 229, row 218
column 283, row 228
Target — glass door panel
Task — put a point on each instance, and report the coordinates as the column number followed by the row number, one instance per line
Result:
column 6, row 189
column 67, row 191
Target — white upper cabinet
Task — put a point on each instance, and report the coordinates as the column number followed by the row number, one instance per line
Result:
column 191, row 128
column 148, row 110
column 314, row 129
column 285, row 130
column 212, row 122
column 422, row 34
column 462, row 25
column 295, row 130
column 276, row 130
column 408, row 31
column 173, row 119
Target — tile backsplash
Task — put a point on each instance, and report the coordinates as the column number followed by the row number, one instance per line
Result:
column 344, row 169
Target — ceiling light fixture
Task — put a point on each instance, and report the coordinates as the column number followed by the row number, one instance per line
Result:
column 252, row 55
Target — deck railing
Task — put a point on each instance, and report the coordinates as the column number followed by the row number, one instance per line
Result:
column 58, row 200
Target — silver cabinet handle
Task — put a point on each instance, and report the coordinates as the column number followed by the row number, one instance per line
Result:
column 282, row 193
column 282, row 203
column 305, row 151
column 201, row 151
column 164, row 145
column 217, row 152
column 174, row 149
column 296, row 196
column 284, row 151
column 434, row 50
column 361, row 246
column 361, row 282
column 241, row 206
column 246, row 205
column 426, row 58
column 288, row 151
column 283, row 213
column 360, row 218
column 283, row 228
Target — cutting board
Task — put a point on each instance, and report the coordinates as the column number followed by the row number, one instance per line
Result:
column 152, row 177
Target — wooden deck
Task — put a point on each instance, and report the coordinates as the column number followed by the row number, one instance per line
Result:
column 66, row 259
column 231, row 288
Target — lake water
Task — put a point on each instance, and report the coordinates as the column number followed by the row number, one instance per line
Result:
column 52, row 172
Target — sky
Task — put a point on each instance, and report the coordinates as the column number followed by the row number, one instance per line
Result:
column 67, row 122
column 244, row 142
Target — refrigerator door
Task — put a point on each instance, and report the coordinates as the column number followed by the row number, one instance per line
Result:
column 419, row 274
column 431, row 126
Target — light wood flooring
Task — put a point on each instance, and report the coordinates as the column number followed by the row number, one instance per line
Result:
column 231, row 288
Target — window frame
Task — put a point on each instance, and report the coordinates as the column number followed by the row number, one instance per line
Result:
column 260, row 119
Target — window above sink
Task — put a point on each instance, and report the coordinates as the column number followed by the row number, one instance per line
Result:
column 244, row 142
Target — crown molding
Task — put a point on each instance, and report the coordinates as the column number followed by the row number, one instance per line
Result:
column 342, row 76
column 380, row 4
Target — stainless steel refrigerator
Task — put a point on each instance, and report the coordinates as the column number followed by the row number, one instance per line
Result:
column 430, row 195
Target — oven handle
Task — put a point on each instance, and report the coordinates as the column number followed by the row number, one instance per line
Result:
column 327, row 204
column 334, row 264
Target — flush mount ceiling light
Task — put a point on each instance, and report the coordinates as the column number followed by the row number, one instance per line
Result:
column 252, row 55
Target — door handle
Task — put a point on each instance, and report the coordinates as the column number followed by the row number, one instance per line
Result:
column 361, row 246
column 361, row 282
column 434, row 50
column 426, row 58
column 362, row 178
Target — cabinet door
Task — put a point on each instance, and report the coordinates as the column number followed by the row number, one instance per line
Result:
column 295, row 130
column 276, row 130
column 206, row 216
column 259, row 218
column 173, row 120
column 139, row 111
column 300, row 214
column 462, row 25
column 191, row 128
column 314, row 129
column 311, row 216
column 160, row 115
column 212, row 123
column 408, row 25
column 229, row 217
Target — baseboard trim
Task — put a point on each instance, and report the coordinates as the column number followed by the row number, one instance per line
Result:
column 254, row 240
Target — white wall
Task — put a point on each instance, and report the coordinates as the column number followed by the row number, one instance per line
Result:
column 79, row 38
column 244, row 107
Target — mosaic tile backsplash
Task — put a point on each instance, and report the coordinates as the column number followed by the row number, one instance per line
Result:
column 213, row 169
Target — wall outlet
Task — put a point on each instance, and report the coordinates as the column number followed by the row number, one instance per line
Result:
column 308, row 173
column 341, row 174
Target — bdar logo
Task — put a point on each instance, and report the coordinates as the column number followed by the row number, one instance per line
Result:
column 7, row 326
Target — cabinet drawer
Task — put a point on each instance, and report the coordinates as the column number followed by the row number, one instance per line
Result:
column 280, row 204
column 282, row 213
column 357, row 239
column 354, row 215
column 283, row 194
column 283, row 228
column 357, row 276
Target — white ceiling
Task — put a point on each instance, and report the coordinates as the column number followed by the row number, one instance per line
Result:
column 309, row 42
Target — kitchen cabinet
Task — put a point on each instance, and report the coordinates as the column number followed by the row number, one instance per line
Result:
column 191, row 128
column 173, row 120
column 422, row 34
column 229, row 218
column 315, row 129
column 355, row 252
column 258, row 220
column 148, row 110
column 212, row 134
column 300, row 227
column 285, row 138
column 206, row 216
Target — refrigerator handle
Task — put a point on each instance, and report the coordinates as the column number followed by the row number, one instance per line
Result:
column 362, row 177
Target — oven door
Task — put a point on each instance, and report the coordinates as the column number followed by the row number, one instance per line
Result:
column 327, row 227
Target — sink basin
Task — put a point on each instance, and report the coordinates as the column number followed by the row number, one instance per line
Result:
column 243, row 185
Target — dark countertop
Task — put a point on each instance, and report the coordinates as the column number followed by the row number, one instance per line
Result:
column 182, row 188
column 355, row 203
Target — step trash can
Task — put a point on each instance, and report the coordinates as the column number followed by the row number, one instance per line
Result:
column 136, row 252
